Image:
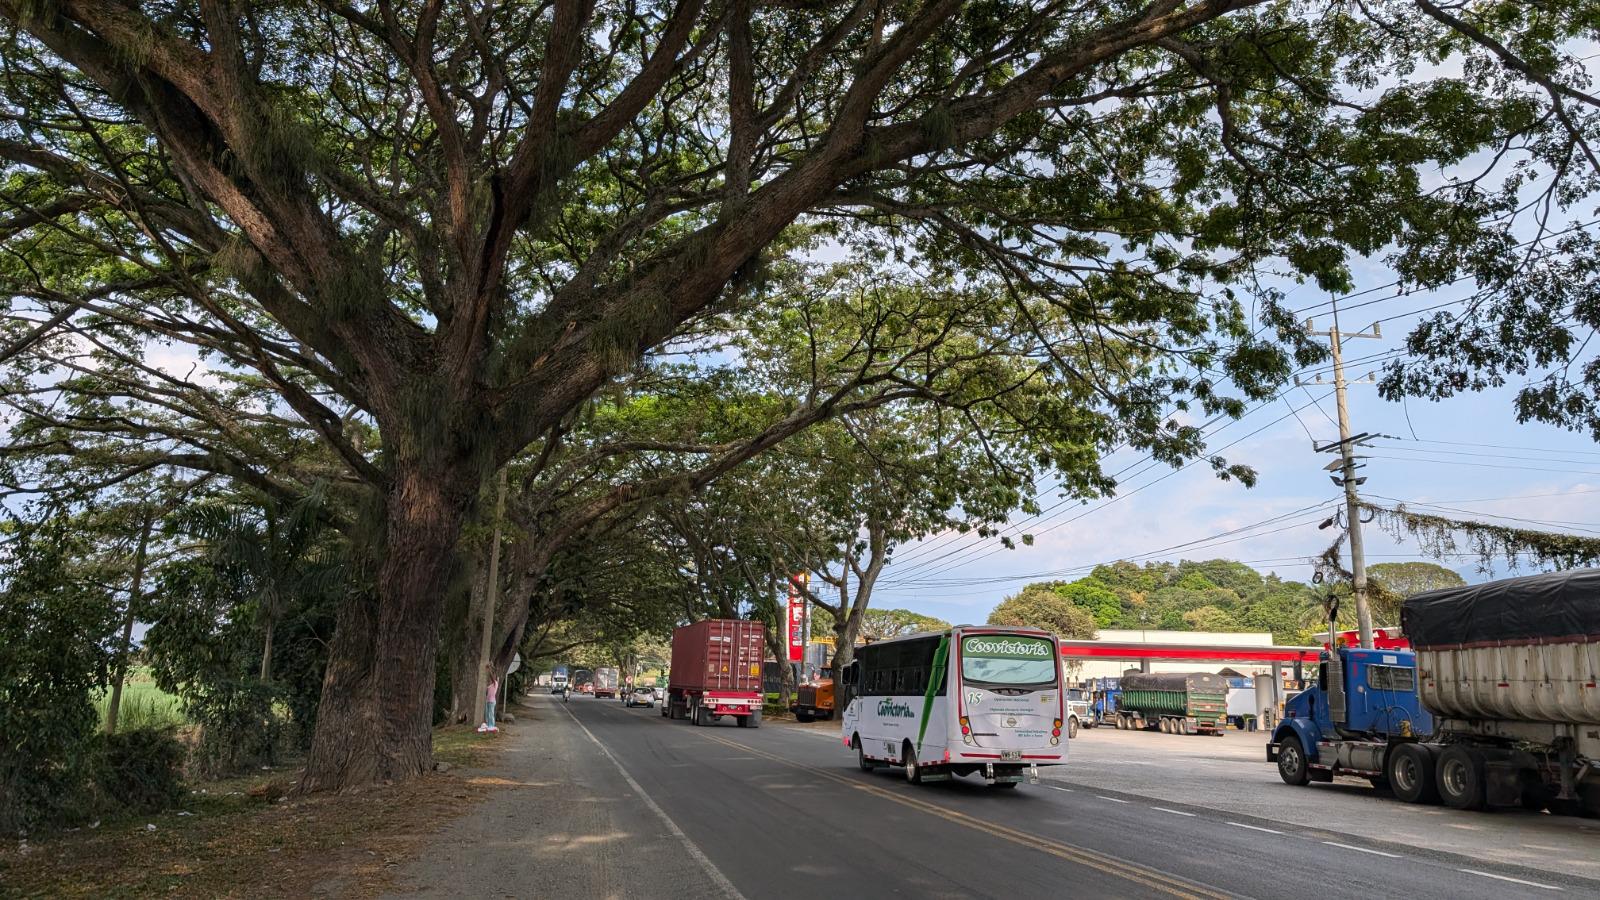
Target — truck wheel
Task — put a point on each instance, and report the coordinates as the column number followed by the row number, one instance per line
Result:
column 804, row 717
column 1165, row 725
column 1004, row 785
column 1411, row 771
column 1292, row 764
column 1072, row 728
column 909, row 760
column 1460, row 777
column 1181, row 726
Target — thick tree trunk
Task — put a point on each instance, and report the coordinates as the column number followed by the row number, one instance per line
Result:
column 376, row 717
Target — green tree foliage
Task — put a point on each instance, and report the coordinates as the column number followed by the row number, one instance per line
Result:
column 1401, row 580
column 1208, row 595
column 1040, row 606
column 880, row 624
column 428, row 245
column 1094, row 597
column 56, row 626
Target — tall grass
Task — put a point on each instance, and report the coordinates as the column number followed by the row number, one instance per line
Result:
column 144, row 705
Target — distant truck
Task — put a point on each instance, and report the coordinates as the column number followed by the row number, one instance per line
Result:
column 605, row 682
column 1173, row 703
column 1497, row 704
column 716, row 672
column 1103, row 694
column 813, row 700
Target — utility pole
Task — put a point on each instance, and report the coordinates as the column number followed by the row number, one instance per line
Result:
column 1346, row 465
column 491, row 595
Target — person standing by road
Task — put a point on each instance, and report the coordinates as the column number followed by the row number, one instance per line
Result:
column 489, row 696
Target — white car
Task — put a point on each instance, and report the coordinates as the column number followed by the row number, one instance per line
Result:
column 641, row 696
column 659, row 693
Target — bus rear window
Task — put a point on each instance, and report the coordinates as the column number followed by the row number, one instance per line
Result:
column 1007, row 659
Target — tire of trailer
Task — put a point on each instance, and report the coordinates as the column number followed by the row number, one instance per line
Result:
column 1292, row 763
column 1182, row 726
column 1165, row 725
column 751, row 721
column 909, row 760
column 1460, row 777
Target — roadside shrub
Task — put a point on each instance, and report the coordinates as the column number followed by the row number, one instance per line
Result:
column 239, row 726
column 55, row 625
column 138, row 770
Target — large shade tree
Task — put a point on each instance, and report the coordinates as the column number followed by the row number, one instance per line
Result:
column 427, row 233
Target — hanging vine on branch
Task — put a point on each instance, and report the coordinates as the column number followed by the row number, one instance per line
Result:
column 1440, row 537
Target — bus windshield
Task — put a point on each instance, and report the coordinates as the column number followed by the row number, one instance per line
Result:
column 1011, row 660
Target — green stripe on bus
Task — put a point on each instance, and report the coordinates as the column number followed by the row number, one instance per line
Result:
column 935, row 676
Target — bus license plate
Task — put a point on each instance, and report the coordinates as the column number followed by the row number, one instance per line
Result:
column 1010, row 754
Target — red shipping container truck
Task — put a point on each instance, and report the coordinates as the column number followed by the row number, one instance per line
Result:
column 716, row 671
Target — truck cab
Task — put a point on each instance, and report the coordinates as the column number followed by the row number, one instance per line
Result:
column 1363, row 704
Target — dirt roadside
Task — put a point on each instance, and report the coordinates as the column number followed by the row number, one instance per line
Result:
column 249, row 837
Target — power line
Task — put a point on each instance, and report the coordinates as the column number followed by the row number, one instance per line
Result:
column 1118, row 498
column 1243, row 532
column 1504, row 447
column 1457, row 462
column 1575, row 462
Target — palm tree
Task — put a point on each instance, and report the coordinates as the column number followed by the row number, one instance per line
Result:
column 268, row 554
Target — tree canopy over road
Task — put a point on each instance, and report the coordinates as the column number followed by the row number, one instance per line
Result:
column 384, row 254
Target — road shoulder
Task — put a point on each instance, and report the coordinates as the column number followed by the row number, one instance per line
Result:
column 564, row 819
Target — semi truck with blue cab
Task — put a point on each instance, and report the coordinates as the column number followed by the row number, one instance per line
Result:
column 1497, row 703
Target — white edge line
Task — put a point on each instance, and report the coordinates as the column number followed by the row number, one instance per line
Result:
column 1112, row 799
column 1548, row 887
column 1361, row 849
column 717, row 878
column 1254, row 827
column 1175, row 812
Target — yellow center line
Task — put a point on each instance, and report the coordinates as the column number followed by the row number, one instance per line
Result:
column 1147, row 877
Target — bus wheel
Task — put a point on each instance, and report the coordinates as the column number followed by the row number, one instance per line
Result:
column 913, row 770
column 862, row 762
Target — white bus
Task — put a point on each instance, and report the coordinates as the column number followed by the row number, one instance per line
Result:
column 970, row 700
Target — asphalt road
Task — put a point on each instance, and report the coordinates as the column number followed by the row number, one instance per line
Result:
column 781, row 811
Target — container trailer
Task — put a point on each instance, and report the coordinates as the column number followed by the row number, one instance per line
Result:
column 716, row 672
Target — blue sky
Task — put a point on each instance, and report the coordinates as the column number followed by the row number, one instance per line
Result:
column 1468, row 453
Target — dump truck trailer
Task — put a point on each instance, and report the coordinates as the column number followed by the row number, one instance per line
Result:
column 1173, row 703
column 1497, row 703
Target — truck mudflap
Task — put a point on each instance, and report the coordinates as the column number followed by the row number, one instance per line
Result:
column 1272, row 751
